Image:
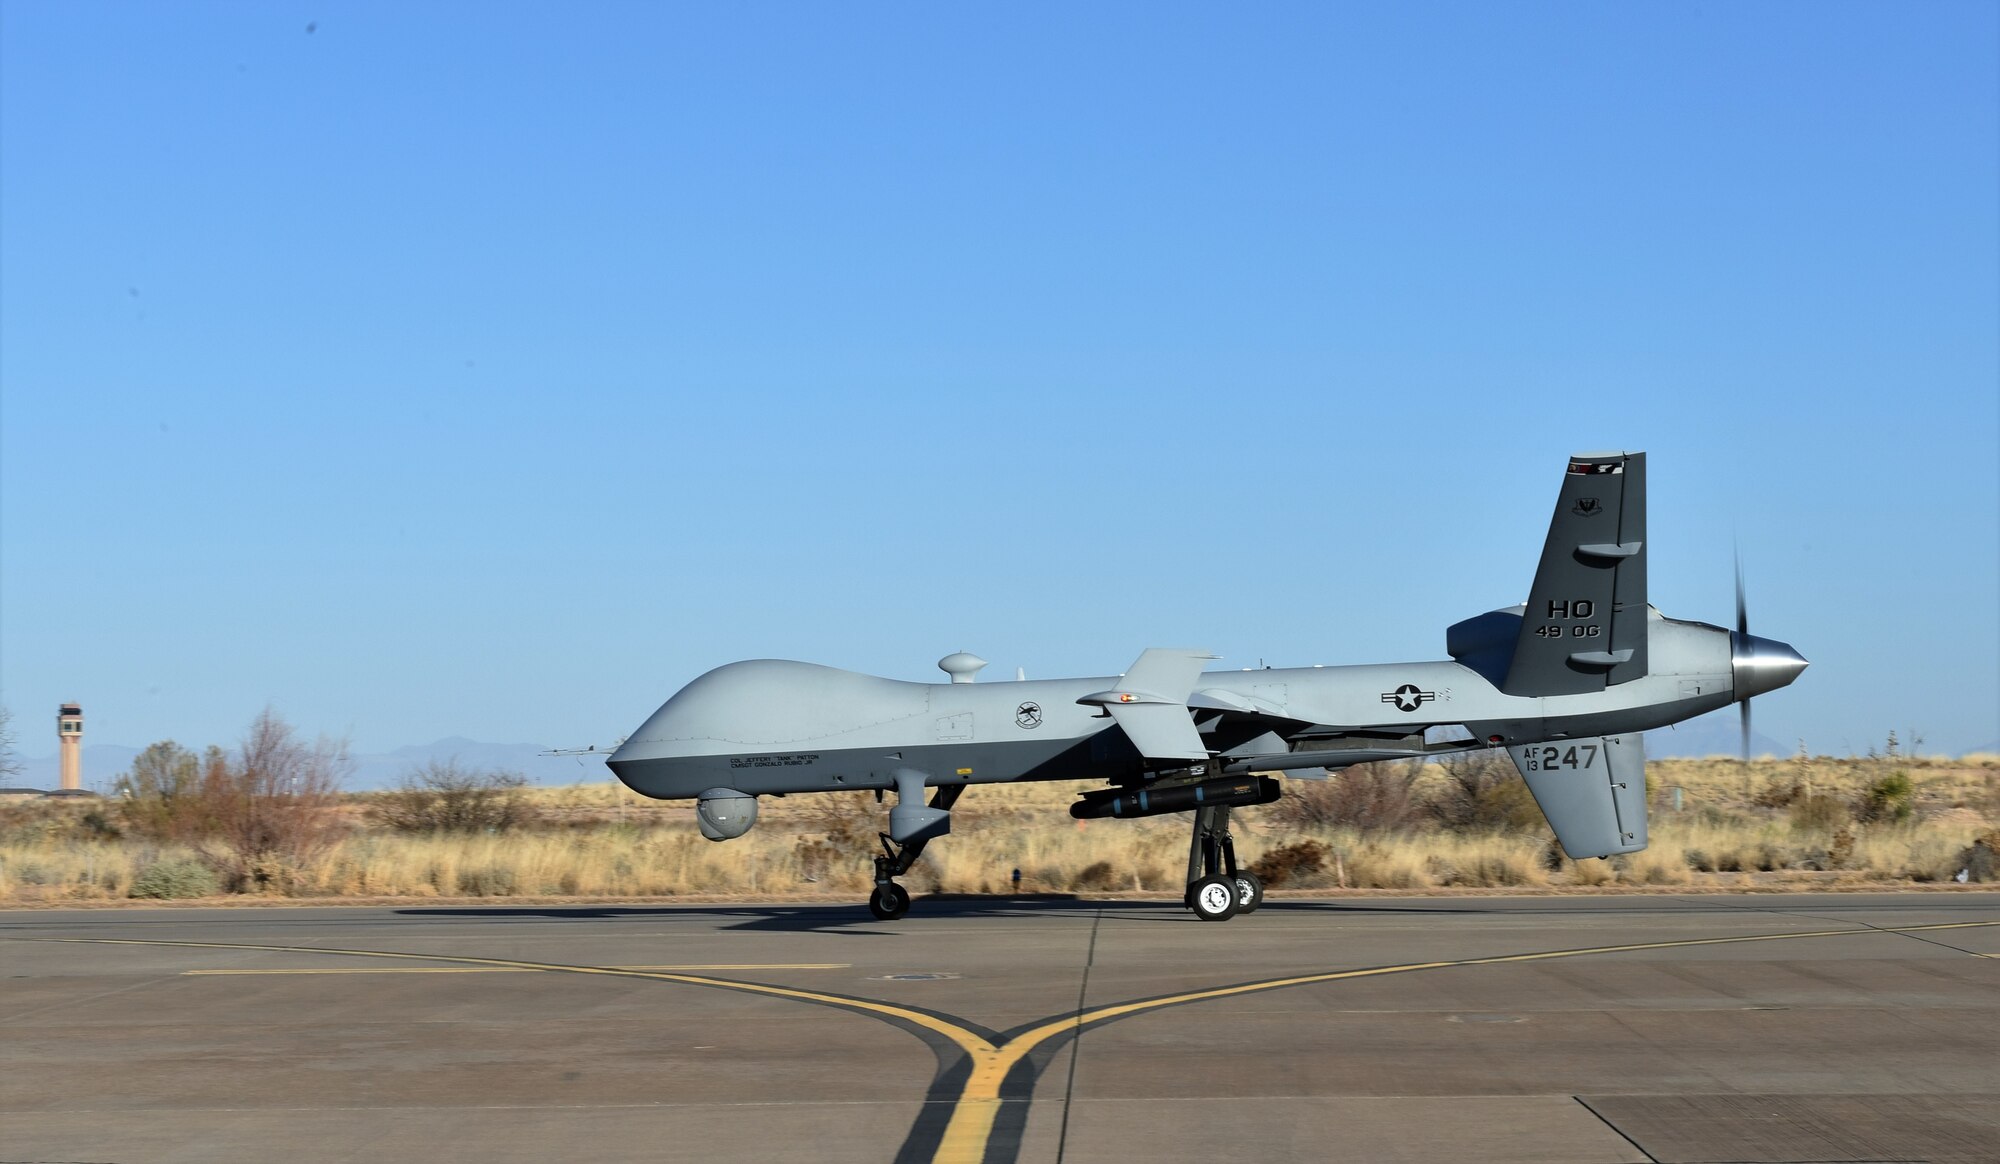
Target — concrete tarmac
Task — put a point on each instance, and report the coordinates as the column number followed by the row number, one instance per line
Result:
column 1558, row 1030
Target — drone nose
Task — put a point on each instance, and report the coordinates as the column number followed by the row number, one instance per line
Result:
column 1759, row 665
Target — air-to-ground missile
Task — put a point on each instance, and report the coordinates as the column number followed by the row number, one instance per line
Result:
column 1126, row 803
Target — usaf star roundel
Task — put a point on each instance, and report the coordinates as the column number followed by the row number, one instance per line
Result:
column 1409, row 697
column 1028, row 715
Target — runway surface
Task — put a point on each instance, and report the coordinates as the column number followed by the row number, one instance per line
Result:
column 1553, row 1030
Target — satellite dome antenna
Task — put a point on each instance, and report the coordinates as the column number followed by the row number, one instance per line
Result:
column 961, row 666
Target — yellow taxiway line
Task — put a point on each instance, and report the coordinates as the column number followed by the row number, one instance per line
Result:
column 970, row 1126
column 978, row 1105
column 513, row 969
column 929, row 1022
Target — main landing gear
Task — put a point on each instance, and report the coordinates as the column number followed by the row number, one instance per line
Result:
column 889, row 900
column 1217, row 889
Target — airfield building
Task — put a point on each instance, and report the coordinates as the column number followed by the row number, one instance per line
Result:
column 69, row 730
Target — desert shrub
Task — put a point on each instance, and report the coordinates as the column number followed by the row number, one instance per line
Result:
column 1367, row 796
column 1779, row 792
column 269, row 810
column 488, row 881
column 175, row 877
column 1819, row 812
column 100, row 825
column 1483, row 790
column 1981, row 860
column 1378, row 867
column 1892, row 797
column 47, row 820
column 1748, row 857
column 849, row 820
column 166, row 795
column 445, row 798
column 815, row 857
column 1096, row 875
column 1486, row 868
column 255, row 818
column 1710, row 817
column 1985, row 799
column 924, row 877
column 1653, row 866
column 1290, row 864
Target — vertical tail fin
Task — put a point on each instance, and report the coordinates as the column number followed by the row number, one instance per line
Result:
column 1584, row 627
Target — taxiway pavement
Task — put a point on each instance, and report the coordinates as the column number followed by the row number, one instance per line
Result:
column 1559, row 1030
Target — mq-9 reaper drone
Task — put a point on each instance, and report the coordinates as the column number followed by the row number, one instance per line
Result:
column 1565, row 683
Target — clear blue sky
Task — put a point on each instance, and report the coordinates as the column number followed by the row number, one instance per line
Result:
column 494, row 369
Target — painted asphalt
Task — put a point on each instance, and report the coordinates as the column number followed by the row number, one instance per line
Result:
column 1548, row 1029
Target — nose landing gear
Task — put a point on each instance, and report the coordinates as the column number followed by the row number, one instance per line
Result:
column 889, row 900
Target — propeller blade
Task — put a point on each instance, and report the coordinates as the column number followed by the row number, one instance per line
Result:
column 1742, row 608
column 1742, row 642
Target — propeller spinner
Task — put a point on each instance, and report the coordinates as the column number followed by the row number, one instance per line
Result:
column 1756, row 665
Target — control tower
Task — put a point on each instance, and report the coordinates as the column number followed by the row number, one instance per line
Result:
column 69, row 729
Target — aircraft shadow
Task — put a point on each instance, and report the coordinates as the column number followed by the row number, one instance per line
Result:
column 855, row 919
column 833, row 917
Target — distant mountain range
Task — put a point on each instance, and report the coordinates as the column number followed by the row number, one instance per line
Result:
column 104, row 763
column 1719, row 733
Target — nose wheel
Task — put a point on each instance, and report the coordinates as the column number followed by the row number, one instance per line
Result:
column 889, row 901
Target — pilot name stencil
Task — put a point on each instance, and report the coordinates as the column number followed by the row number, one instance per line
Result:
column 794, row 761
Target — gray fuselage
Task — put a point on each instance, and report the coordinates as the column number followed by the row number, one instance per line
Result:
column 774, row 726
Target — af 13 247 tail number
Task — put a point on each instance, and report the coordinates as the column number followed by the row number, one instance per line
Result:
column 1550, row 758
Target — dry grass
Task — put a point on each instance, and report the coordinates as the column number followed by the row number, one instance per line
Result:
column 1737, row 827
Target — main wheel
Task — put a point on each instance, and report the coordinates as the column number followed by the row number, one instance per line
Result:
column 1213, row 899
column 1249, row 891
column 889, row 902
